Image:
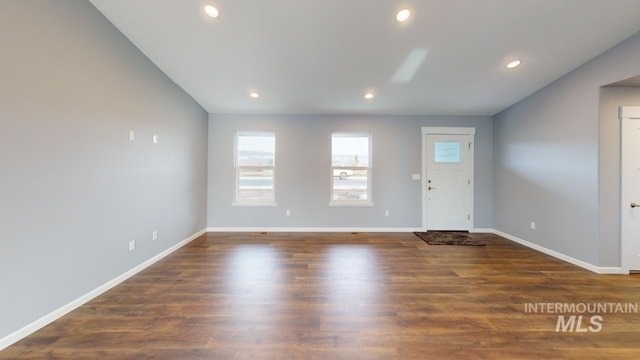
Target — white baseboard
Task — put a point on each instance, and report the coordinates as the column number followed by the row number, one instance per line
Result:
column 482, row 230
column 330, row 229
column 563, row 257
column 62, row 311
column 310, row 229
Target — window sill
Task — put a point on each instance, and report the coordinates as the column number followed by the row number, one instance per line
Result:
column 340, row 203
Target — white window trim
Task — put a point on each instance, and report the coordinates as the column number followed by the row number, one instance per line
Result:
column 236, row 170
column 363, row 203
column 448, row 130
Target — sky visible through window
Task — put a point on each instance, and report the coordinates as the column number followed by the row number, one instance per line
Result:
column 256, row 143
column 350, row 150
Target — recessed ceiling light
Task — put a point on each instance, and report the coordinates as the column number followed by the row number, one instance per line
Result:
column 368, row 96
column 254, row 95
column 514, row 64
column 403, row 15
column 211, row 11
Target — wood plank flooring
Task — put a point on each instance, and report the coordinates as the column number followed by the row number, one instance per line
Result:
column 344, row 296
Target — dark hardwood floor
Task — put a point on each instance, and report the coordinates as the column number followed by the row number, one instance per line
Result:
column 345, row 296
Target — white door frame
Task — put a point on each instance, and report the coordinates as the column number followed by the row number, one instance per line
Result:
column 628, row 116
column 427, row 130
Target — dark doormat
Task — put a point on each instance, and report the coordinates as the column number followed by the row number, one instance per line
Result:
column 448, row 238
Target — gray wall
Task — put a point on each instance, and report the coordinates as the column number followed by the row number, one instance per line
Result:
column 546, row 155
column 611, row 98
column 73, row 189
column 303, row 160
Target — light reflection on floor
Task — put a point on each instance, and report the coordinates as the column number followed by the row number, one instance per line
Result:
column 253, row 284
column 354, row 285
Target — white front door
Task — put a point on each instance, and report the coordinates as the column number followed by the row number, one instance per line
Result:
column 448, row 180
column 630, row 186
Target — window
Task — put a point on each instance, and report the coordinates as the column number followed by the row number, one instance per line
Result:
column 350, row 168
column 447, row 152
column 255, row 168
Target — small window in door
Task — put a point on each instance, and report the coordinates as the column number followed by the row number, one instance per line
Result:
column 447, row 152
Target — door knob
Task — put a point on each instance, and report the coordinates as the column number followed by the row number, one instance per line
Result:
column 634, row 205
column 432, row 188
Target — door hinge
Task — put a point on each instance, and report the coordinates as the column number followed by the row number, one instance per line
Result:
column 468, row 181
column 469, row 146
column 468, row 217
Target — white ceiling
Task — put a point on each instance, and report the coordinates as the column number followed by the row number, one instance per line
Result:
column 632, row 82
column 321, row 56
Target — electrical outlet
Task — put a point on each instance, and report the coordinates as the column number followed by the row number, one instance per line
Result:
column 288, row 212
column 132, row 245
column 155, row 139
column 154, row 235
column 533, row 225
column 387, row 213
column 132, row 135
